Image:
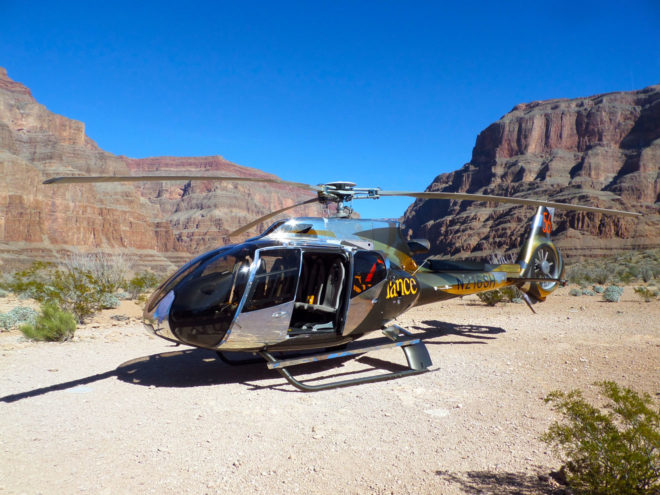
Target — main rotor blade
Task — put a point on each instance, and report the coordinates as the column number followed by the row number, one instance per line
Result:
column 160, row 178
column 505, row 199
column 272, row 214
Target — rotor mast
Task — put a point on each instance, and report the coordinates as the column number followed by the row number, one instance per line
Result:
column 345, row 192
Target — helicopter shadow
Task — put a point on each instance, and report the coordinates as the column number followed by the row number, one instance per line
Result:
column 179, row 369
column 479, row 334
column 200, row 367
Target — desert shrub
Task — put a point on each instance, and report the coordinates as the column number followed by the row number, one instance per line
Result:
column 624, row 268
column 82, row 285
column 511, row 293
column 108, row 301
column 17, row 316
column 4, row 293
column 613, row 293
column 491, row 298
column 647, row 274
column 109, row 272
column 615, row 450
column 123, row 295
column 587, row 292
column 142, row 282
column 52, row 324
column 599, row 289
column 647, row 294
column 575, row 292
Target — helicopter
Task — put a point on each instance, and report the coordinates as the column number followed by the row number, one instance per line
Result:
column 316, row 284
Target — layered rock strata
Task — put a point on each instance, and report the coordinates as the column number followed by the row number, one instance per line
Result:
column 157, row 223
column 602, row 150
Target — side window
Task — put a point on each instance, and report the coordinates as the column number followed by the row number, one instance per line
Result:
column 276, row 279
column 368, row 269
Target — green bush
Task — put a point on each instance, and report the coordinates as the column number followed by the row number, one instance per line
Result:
column 141, row 283
column 52, row 325
column 587, row 292
column 17, row 316
column 575, row 292
column 612, row 451
column 598, row 289
column 3, row 293
column 108, row 301
column 623, row 268
column 613, row 293
column 79, row 286
column 647, row 294
column 491, row 298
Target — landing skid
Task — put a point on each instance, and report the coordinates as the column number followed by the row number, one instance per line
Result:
column 416, row 354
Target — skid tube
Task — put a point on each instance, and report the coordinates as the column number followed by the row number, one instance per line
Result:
column 416, row 354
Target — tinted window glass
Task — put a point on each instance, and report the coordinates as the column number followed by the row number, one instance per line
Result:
column 276, row 279
column 207, row 294
column 368, row 269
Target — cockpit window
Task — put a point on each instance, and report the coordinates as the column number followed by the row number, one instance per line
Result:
column 276, row 279
column 368, row 269
column 207, row 294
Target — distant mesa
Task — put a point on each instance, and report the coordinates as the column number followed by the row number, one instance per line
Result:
column 602, row 150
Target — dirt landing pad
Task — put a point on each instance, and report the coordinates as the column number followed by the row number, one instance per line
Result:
column 119, row 411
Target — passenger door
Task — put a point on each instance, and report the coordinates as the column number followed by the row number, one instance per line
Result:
column 265, row 312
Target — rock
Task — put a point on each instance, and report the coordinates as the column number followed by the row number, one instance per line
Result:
column 602, row 150
column 161, row 224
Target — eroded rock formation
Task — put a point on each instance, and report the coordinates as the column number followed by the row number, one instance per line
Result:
column 602, row 150
column 159, row 223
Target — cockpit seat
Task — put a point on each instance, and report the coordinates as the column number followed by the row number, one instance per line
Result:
column 325, row 290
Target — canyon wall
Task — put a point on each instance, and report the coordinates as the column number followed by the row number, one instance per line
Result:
column 602, row 150
column 158, row 224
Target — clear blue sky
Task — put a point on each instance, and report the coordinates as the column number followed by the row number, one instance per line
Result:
column 382, row 93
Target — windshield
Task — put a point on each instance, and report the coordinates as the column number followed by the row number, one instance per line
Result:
column 207, row 293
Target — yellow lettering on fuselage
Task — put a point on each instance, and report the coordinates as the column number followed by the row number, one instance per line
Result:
column 402, row 287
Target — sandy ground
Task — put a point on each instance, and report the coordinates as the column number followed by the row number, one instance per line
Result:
column 119, row 411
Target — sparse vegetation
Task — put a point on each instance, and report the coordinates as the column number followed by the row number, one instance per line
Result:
column 141, row 283
column 616, row 450
column 646, row 293
column 506, row 294
column 51, row 325
column 16, row 317
column 491, row 298
column 620, row 269
column 82, row 285
column 613, row 293
column 575, row 292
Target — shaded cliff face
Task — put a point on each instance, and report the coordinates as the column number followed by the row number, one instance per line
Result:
column 157, row 222
column 602, row 150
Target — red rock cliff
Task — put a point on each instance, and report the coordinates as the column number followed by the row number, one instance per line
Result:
column 602, row 150
column 156, row 222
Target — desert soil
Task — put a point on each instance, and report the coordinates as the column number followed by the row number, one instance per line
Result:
column 117, row 410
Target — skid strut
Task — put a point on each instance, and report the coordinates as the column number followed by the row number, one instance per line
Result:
column 416, row 354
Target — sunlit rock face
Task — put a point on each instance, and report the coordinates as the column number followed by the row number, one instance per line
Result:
column 160, row 224
column 602, row 150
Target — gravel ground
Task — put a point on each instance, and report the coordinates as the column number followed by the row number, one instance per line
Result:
column 119, row 411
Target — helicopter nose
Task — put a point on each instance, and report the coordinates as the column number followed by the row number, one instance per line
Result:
column 157, row 320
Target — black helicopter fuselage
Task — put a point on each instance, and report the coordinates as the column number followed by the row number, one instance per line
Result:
column 307, row 283
column 304, row 283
